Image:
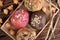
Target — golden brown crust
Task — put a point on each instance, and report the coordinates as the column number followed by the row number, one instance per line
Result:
column 33, row 5
column 15, row 1
column 1, row 3
column 12, row 32
column 25, row 34
column 5, row 11
column 10, row 7
column 8, row 25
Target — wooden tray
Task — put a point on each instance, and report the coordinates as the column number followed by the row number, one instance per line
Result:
column 41, row 33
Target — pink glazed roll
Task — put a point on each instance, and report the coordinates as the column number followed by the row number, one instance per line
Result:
column 20, row 18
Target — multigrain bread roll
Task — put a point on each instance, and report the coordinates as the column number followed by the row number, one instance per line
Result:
column 34, row 5
column 25, row 34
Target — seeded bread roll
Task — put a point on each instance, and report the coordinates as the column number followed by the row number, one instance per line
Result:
column 33, row 5
column 25, row 34
column 38, row 20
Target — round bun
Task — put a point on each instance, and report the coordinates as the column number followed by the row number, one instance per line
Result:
column 20, row 18
column 38, row 20
column 25, row 34
column 33, row 5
